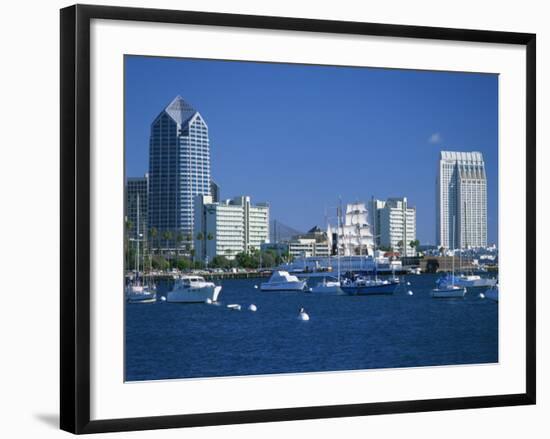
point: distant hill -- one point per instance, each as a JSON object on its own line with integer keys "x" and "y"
{"x": 279, "y": 231}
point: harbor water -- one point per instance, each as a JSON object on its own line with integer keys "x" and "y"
{"x": 170, "y": 340}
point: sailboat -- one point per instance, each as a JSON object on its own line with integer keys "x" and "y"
{"x": 471, "y": 280}
{"x": 446, "y": 287}
{"x": 330, "y": 285}
{"x": 137, "y": 291}
{"x": 362, "y": 286}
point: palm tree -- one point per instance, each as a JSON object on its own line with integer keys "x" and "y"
{"x": 414, "y": 244}
{"x": 154, "y": 233}
{"x": 200, "y": 238}
{"x": 167, "y": 237}
{"x": 401, "y": 246}
{"x": 179, "y": 240}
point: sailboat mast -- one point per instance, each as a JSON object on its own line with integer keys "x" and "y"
{"x": 137, "y": 240}
{"x": 454, "y": 248}
{"x": 338, "y": 213}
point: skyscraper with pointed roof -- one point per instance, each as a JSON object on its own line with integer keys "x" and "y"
{"x": 179, "y": 170}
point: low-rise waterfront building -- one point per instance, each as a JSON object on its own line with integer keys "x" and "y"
{"x": 315, "y": 242}
{"x": 307, "y": 247}
{"x": 229, "y": 227}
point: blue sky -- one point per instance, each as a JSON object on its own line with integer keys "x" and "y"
{"x": 301, "y": 136}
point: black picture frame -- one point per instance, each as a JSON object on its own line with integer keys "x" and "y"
{"x": 75, "y": 218}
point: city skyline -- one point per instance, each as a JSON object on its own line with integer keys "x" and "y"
{"x": 315, "y": 151}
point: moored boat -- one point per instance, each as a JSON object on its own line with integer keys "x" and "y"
{"x": 474, "y": 281}
{"x": 449, "y": 292}
{"x": 327, "y": 286}
{"x": 283, "y": 281}
{"x": 140, "y": 290}
{"x": 136, "y": 293}
{"x": 193, "y": 289}
{"x": 446, "y": 287}
{"x": 361, "y": 286}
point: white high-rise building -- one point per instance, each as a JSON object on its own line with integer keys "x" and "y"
{"x": 229, "y": 227}
{"x": 394, "y": 224}
{"x": 461, "y": 194}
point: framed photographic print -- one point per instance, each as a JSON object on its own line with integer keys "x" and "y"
{"x": 268, "y": 218}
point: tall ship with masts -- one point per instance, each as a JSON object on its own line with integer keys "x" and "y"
{"x": 353, "y": 234}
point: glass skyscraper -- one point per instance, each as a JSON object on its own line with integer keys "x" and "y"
{"x": 179, "y": 170}
{"x": 461, "y": 195}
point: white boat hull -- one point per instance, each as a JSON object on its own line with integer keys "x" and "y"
{"x": 283, "y": 286}
{"x": 141, "y": 298}
{"x": 448, "y": 293}
{"x": 476, "y": 283}
{"x": 140, "y": 294}
{"x": 327, "y": 288}
{"x": 194, "y": 295}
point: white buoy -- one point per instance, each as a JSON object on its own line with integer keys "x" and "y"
{"x": 408, "y": 284}
{"x": 410, "y": 293}
{"x": 252, "y": 307}
{"x": 256, "y": 286}
{"x": 303, "y": 315}
{"x": 234, "y": 306}
{"x": 481, "y": 296}
{"x": 162, "y": 299}
{"x": 208, "y": 301}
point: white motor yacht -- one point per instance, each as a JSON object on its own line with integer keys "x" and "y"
{"x": 193, "y": 289}
{"x": 283, "y": 281}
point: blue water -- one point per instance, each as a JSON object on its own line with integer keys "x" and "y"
{"x": 168, "y": 340}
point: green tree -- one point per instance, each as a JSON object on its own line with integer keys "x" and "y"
{"x": 246, "y": 260}
{"x": 269, "y": 259}
{"x": 179, "y": 240}
{"x": 198, "y": 265}
{"x": 167, "y": 236}
{"x": 219, "y": 261}
{"x": 159, "y": 262}
{"x": 200, "y": 238}
{"x": 153, "y": 234}
{"x": 184, "y": 264}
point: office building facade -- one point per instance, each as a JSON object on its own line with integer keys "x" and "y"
{"x": 229, "y": 227}
{"x": 179, "y": 170}
{"x": 394, "y": 224}
{"x": 137, "y": 191}
{"x": 461, "y": 200}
